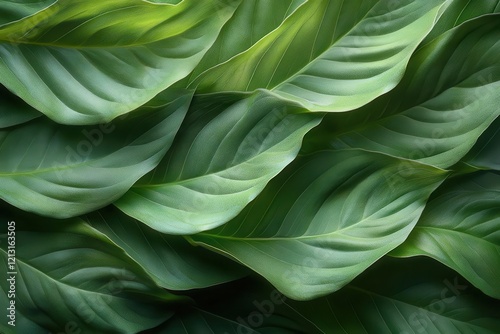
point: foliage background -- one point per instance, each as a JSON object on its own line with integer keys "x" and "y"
{"x": 251, "y": 166}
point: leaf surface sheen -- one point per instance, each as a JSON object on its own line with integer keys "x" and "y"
{"x": 325, "y": 219}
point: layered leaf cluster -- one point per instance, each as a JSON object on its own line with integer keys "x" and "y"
{"x": 287, "y": 166}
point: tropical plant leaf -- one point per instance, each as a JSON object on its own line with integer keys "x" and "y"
{"x": 67, "y": 171}
{"x": 170, "y": 260}
{"x": 395, "y": 296}
{"x": 314, "y": 57}
{"x": 13, "y": 110}
{"x": 459, "y": 11}
{"x": 254, "y": 19}
{"x": 224, "y": 155}
{"x": 325, "y": 219}
{"x": 486, "y": 152}
{"x": 90, "y": 62}
{"x": 402, "y": 297}
{"x": 435, "y": 117}
{"x": 68, "y": 273}
{"x": 460, "y": 227}
{"x": 14, "y": 10}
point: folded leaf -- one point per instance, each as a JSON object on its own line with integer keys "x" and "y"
{"x": 314, "y": 57}
{"x": 170, "y": 260}
{"x": 436, "y": 116}
{"x": 63, "y": 171}
{"x": 89, "y": 62}
{"x": 224, "y": 155}
{"x": 68, "y": 273}
{"x": 325, "y": 219}
{"x": 460, "y": 227}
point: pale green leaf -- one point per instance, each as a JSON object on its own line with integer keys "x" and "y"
{"x": 448, "y": 97}
{"x": 63, "y": 171}
{"x": 84, "y": 62}
{"x": 223, "y": 156}
{"x": 330, "y": 55}
{"x": 325, "y": 219}
{"x": 460, "y": 227}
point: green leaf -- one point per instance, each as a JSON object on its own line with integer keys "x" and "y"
{"x": 314, "y": 57}
{"x": 460, "y": 227}
{"x": 170, "y": 260}
{"x": 486, "y": 152}
{"x": 13, "y": 110}
{"x": 459, "y": 11}
{"x": 66, "y": 171}
{"x": 252, "y": 20}
{"x": 14, "y": 10}
{"x": 402, "y": 297}
{"x": 68, "y": 273}
{"x": 325, "y": 219}
{"x": 224, "y": 155}
{"x": 448, "y": 97}
{"x": 84, "y": 62}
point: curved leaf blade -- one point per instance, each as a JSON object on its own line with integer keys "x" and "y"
{"x": 170, "y": 261}
{"x": 314, "y": 57}
{"x": 256, "y": 18}
{"x": 224, "y": 155}
{"x": 460, "y": 227}
{"x": 486, "y": 152}
{"x": 91, "y": 63}
{"x": 13, "y": 110}
{"x": 79, "y": 277}
{"x": 68, "y": 171}
{"x": 435, "y": 117}
{"x": 14, "y": 10}
{"x": 325, "y": 219}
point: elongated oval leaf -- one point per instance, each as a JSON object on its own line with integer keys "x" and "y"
{"x": 314, "y": 57}
{"x": 70, "y": 273}
{"x": 461, "y": 228}
{"x": 436, "y": 116}
{"x": 170, "y": 260}
{"x": 325, "y": 219}
{"x": 84, "y": 62}
{"x": 63, "y": 171}
{"x": 222, "y": 158}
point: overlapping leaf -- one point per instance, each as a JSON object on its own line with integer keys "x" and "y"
{"x": 396, "y": 296}
{"x": 314, "y": 57}
{"x": 14, "y": 10}
{"x": 325, "y": 219}
{"x": 69, "y": 273}
{"x": 252, "y": 20}
{"x": 486, "y": 152}
{"x": 61, "y": 171}
{"x": 461, "y": 228}
{"x": 448, "y": 97}
{"x": 224, "y": 155}
{"x": 170, "y": 261}
{"x": 82, "y": 62}
{"x": 13, "y": 110}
